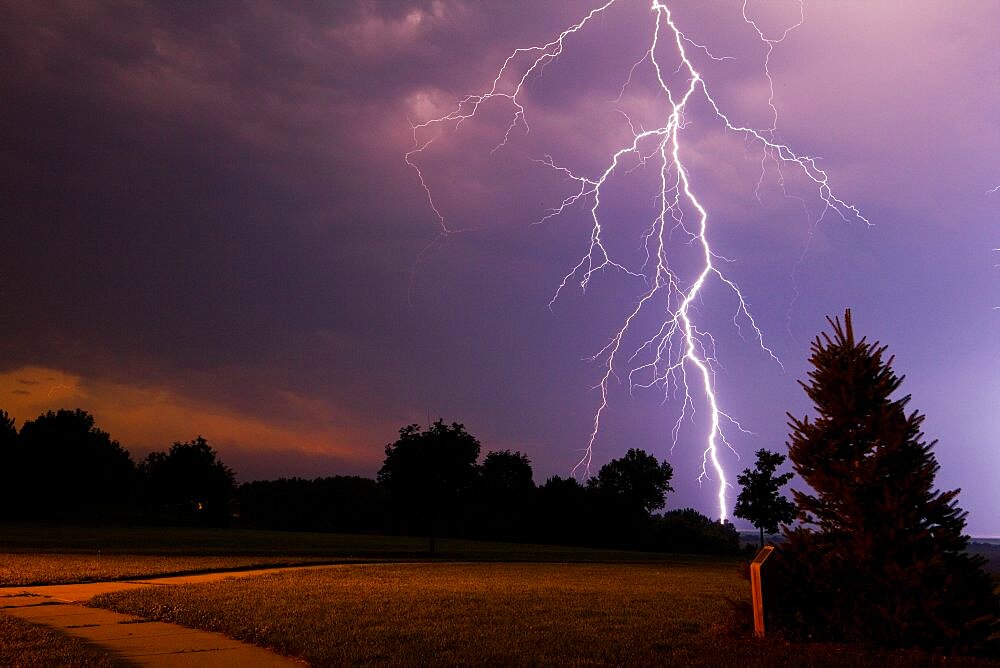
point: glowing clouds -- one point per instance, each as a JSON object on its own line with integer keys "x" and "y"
{"x": 142, "y": 417}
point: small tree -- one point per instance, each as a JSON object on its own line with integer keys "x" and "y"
{"x": 881, "y": 558}
{"x": 428, "y": 471}
{"x": 760, "y": 501}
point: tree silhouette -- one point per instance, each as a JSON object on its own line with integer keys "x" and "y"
{"x": 686, "y": 530}
{"x": 12, "y": 488}
{"x": 503, "y": 493}
{"x": 506, "y": 472}
{"x": 760, "y": 501}
{"x": 626, "y": 490}
{"x": 428, "y": 471}
{"x": 881, "y": 557}
{"x": 71, "y": 468}
{"x": 338, "y": 503}
{"x": 189, "y": 483}
{"x": 564, "y": 512}
{"x": 8, "y": 435}
{"x": 637, "y": 480}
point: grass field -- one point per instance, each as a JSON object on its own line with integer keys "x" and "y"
{"x": 491, "y": 613}
{"x": 463, "y": 613}
{"x": 50, "y": 555}
{"x": 61, "y": 568}
{"x": 387, "y": 602}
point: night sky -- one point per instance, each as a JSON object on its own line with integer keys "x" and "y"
{"x": 209, "y": 227}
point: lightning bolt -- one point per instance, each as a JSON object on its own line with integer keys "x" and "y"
{"x": 679, "y": 357}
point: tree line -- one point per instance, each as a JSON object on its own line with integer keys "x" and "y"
{"x": 64, "y": 468}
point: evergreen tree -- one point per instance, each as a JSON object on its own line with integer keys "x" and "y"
{"x": 880, "y": 557}
{"x": 760, "y": 501}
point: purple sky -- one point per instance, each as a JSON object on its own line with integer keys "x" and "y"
{"x": 209, "y": 227}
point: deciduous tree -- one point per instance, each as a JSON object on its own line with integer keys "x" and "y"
{"x": 189, "y": 483}
{"x": 760, "y": 500}
{"x": 428, "y": 471}
{"x": 72, "y": 468}
{"x": 503, "y": 495}
{"x": 624, "y": 493}
{"x": 637, "y": 480}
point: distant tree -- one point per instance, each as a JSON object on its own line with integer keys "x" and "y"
{"x": 338, "y": 503}
{"x": 563, "y": 513}
{"x": 506, "y": 472}
{"x": 11, "y": 489}
{"x": 286, "y": 504}
{"x": 881, "y": 558}
{"x": 350, "y": 503}
{"x": 189, "y": 483}
{"x": 626, "y": 490}
{"x": 8, "y": 435}
{"x": 638, "y": 480}
{"x": 73, "y": 469}
{"x": 502, "y": 495}
{"x": 760, "y": 501}
{"x": 688, "y": 531}
{"x": 428, "y": 471}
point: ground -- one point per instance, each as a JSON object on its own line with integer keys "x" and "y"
{"x": 387, "y": 602}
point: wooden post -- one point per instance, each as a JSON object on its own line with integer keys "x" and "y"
{"x": 755, "y": 591}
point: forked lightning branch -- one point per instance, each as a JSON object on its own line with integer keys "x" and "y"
{"x": 677, "y": 356}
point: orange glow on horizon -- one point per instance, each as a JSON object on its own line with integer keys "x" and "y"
{"x": 144, "y": 418}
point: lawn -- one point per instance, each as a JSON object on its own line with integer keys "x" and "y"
{"x": 61, "y": 568}
{"x": 690, "y": 613}
{"x": 435, "y": 613}
{"x": 49, "y": 555}
{"x": 388, "y": 602}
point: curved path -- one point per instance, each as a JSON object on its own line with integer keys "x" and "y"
{"x": 132, "y": 638}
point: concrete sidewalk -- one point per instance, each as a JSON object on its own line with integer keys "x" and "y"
{"x": 131, "y": 638}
